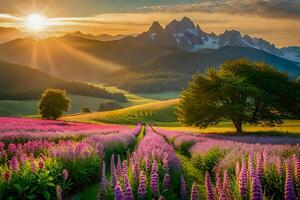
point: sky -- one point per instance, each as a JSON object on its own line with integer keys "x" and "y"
{"x": 277, "y": 21}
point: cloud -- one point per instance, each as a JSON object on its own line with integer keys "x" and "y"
{"x": 267, "y": 8}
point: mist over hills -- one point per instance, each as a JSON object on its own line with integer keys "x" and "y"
{"x": 159, "y": 59}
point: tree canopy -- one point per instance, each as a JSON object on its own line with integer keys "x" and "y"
{"x": 53, "y": 103}
{"x": 241, "y": 91}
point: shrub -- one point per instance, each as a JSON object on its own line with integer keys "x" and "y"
{"x": 111, "y": 105}
{"x": 85, "y": 109}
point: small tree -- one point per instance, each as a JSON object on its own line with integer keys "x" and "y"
{"x": 241, "y": 91}
{"x": 53, "y": 103}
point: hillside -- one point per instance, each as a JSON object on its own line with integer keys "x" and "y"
{"x": 23, "y": 83}
{"x": 158, "y": 113}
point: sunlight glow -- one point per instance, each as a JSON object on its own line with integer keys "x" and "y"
{"x": 36, "y": 22}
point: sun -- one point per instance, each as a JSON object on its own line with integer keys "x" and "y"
{"x": 36, "y": 22}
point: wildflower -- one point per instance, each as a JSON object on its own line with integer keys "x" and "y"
{"x": 58, "y": 192}
{"x": 256, "y": 189}
{"x": 103, "y": 179}
{"x": 128, "y": 193}
{"x": 166, "y": 182}
{"x": 11, "y": 148}
{"x": 279, "y": 166}
{"x": 142, "y": 190}
{"x": 23, "y": 158}
{"x": 243, "y": 180}
{"x": 194, "y": 192}
{"x": 183, "y": 189}
{"x": 289, "y": 190}
{"x": 119, "y": 166}
{"x": 41, "y": 163}
{"x": 119, "y": 195}
{"x": 65, "y": 174}
{"x": 209, "y": 188}
{"x": 14, "y": 164}
{"x": 226, "y": 184}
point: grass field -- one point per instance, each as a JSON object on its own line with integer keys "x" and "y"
{"x": 158, "y": 112}
{"x": 29, "y": 107}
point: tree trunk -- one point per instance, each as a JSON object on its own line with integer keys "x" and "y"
{"x": 238, "y": 126}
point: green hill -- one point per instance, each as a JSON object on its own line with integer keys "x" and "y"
{"x": 157, "y": 112}
{"x": 23, "y": 83}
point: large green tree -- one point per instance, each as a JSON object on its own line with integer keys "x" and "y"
{"x": 53, "y": 103}
{"x": 241, "y": 91}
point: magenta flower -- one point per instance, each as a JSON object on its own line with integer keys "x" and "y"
{"x": 11, "y": 148}
{"x": 219, "y": 185}
{"x": 65, "y": 174}
{"x": 14, "y": 164}
{"x": 237, "y": 171}
{"x": 194, "y": 192}
{"x": 41, "y": 163}
{"x": 119, "y": 195}
{"x": 183, "y": 189}
{"x": 136, "y": 171}
{"x": 209, "y": 188}
{"x": 256, "y": 189}
{"x": 289, "y": 190}
{"x": 296, "y": 162}
{"x": 124, "y": 169}
{"x": 243, "y": 180}
{"x": 23, "y": 158}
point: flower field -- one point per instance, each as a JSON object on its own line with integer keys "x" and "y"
{"x": 42, "y": 159}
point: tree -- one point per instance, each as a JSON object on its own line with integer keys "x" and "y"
{"x": 241, "y": 91}
{"x": 53, "y": 103}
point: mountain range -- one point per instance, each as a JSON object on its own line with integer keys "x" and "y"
{"x": 186, "y": 35}
{"x": 159, "y": 59}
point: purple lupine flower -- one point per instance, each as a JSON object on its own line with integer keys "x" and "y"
{"x": 58, "y": 192}
{"x": 148, "y": 164}
{"x": 194, "y": 192}
{"x": 226, "y": 184}
{"x": 279, "y": 166}
{"x": 256, "y": 189}
{"x": 259, "y": 165}
{"x": 183, "y": 189}
{"x": 65, "y": 174}
{"x": 209, "y": 188}
{"x": 119, "y": 195}
{"x": 243, "y": 180}
{"x": 136, "y": 171}
{"x": 103, "y": 179}
{"x": 124, "y": 169}
{"x": 14, "y": 164}
{"x": 219, "y": 185}
{"x": 119, "y": 166}
{"x": 265, "y": 158}
{"x": 167, "y": 182}
{"x": 7, "y": 175}
{"x": 113, "y": 175}
{"x": 251, "y": 167}
{"x": 128, "y": 193}
{"x": 289, "y": 190}
{"x": 154, "y": 178}
{"x": 142, "y": 190}
{"x": 296, "y": 162}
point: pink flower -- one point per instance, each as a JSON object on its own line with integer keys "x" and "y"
{"x": 209, "y": 188}
{"x": 65, "y": 174}
{"x": 14, "y": 164}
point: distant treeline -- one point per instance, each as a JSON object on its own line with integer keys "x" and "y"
{"x": 23, "y": 83}
{"x": 148, "y": 82}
